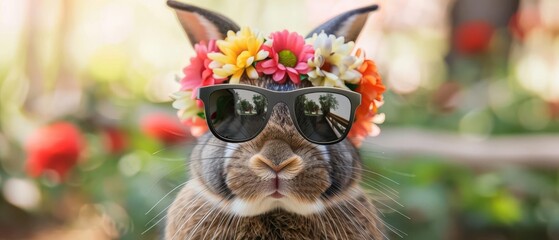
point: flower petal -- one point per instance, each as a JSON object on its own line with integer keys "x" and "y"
{"x": 249, "y": 61}
{"x": 262, "y": 55}
{"x": 215, "y": 64}
{"x": 251, "y": 73}
{"x": 268, "y": 63}
{"x": 302, "y": 67}
{"x": 236, "y": 78}
{"x": 293, "y": 75}
{"x": 279, "y": 75}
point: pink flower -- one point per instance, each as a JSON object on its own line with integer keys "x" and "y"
{"x": 198, "y": 73}
{"x": 288, "y": 57}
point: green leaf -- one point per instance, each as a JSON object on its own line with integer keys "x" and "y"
{"x": 201, "y": 115}
{"x": 352, "y": 86}
{"x": 304, "y": 77}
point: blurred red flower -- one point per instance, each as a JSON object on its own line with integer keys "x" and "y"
{"x": 473, "y": 37}
{"x": 55, "y": 147}
{"x": 114, "y": 139}
{"x": 553, "y": 109}
{"x": 166, "y": 128}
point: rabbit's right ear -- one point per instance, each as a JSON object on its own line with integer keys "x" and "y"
{"x": 348, "y": 24}
{"x": 201, "y": 24}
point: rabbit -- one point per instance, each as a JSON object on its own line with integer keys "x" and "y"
{"x": 229, "y": 193}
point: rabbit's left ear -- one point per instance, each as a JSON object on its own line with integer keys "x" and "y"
{"x": 201, "y": 24}
{"x": 348, "y": 24}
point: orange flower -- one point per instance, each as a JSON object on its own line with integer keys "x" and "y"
{"x": 370, "y": 86}
{"x": 198, "y": 126}
{"x": 366, "y": 126}
{"x": 371, "y": 89}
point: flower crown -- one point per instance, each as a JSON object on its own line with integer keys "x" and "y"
{"x": 323, "y": 60}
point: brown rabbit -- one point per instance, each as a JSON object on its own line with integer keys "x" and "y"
{"x": 277, "y": 185}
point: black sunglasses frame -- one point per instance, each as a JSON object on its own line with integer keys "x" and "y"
{"x": 275, "y": 97}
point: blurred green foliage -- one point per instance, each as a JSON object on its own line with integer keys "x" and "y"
{"x": 450, "y": 201}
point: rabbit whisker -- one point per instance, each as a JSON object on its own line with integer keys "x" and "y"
{"x": 162, "y": 211}
{"x": 380, "y": 184}
{"x": 197, "y": 196}
{"x": 179, "y": 168}
{"x": 162, "y": 176}
{"x": 193, "y": 214}
{"x": 333, "y": 225}
{"x": 206, "y": 215}
{"x": 338, "y": 220}
{"x": 393, "y": 200}
{"x": 371, "y": 213}
{"x": 238, "y": 218}
{"x": 172, "y": 190}
{"x": 226, "y": 225}
{"x": 382, "y": 192}
{"x": 376, "y": 218}
{"x": 373, "y": 172}
{"x": 395, "y": 230}
{"x": 185, "y": 222}
{"x": 319, "y": 220}
{"x": 213, "y": 219}
{"x": 169, "y": 204}
{"x": 352, "y": 219}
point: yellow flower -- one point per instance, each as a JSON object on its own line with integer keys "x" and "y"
{"x": 238, "y": 53}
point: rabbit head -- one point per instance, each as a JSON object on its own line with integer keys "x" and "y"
{"x": 278, "y": 168}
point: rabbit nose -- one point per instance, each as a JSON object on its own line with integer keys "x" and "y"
{"x": 276, "y": 159}
{"x": 265, "y": 168}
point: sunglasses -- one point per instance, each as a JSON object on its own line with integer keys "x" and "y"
{"x": 238, "y": 113}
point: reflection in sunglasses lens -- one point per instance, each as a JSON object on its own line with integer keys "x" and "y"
{"x": 323, "y": 117}
{"x": 237, "y": 114}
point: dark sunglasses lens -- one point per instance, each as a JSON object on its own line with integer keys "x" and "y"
{"x": 237, "y": 114}
{"x": 323, "y": 117}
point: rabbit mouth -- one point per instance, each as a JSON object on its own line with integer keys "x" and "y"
{"x": 277, "y": 195}
{"x": 276, "y": 200}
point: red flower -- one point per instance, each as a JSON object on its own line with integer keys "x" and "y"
{"x": 56, "y": 147}
{"x": 165, "y": 128}
{"x": 473, "y": 37}
{"x": 114, "y": 139}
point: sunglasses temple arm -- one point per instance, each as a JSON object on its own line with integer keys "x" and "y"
{"x": 198, "y": 94}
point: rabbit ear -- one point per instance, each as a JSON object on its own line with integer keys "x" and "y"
{"x": 200, "y": 24}
{"x": 348, "y": 24}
